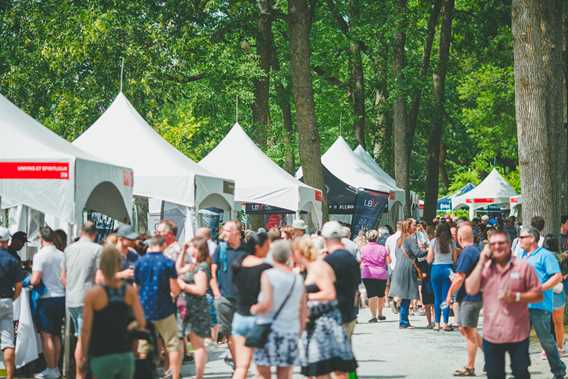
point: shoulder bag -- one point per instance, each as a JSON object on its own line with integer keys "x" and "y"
{"x": 258, "y": 336}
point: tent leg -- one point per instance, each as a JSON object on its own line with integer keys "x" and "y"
{"x": 471, "y": 213}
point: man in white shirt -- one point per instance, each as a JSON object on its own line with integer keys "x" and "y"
{"x": 46, "y": 269}
{"x": 390, "y": 244}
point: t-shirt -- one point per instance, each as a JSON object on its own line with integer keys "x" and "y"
{"x": 247, "y": 283}
{"x": 347, "y": 279}
{"x": 439, "y": 257}
{"x": 545, "y": 265}
{"x": 49, "y": 261}
{"x": 130, "y": 259}
{"x": 173, "y": 251}
{"x": 223, "y": 259}
{"x": 80, "y": 262}
{"x": 10, "y": 274}
{"x": 374, "y": 262}
{"x": 391, "y": 247}
{"x": 14, "y": 254}
{"x": 467, "y": 261}
{"x": 152, "y": 274}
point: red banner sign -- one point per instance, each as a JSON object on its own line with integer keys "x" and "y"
{"x": 480, "y": 201}
{"x": 34, "y": 170}
{"x": 318, "y": 196}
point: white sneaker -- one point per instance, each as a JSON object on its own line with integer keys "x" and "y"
{"x": 55, "y": 373}
{"x": 43, "y": 375}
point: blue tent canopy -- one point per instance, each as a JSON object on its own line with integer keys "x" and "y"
{"x": 445, "y": 203}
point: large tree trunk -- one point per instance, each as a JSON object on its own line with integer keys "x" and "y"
{"x": 530, "y": 54}
{"x": 358, "y": 92}
{"x": 299, "y": 25}
{"x": 436, "y": 133}
{"x": 400, "y": 127}
{"x": 261, "y": 108}
{"x": 424, "y": 68}
{"x": 564, "y": 148}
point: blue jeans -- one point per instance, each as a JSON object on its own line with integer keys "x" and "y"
{"x": 540, "y": 321}
{"x": 440, "y": 275}
{"x": 404, "y": 310}
{"x": 495, "y": 359}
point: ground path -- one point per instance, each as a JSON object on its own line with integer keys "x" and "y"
{"x": 384, "y": 351}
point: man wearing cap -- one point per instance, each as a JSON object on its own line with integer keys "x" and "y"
{"x": 347, "y": 274}
{"x": 125, "y": 245}
{"x": 80, "y": 264}
{"x": 10, "y": 287}
{"x": 299, "y": 227}
{"x": 17, "y": 243}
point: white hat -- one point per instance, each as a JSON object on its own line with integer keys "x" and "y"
{"x": 299, "y": 224}
{"x": 331, "y": 230}
{"x": 4, "y": 234}
{"x": 485, "y": 218}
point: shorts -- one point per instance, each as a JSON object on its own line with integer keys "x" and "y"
{"x": 375, "y": 287}
{"x": 167, "y": 329}
{"x": 50, "y": 315}
{"x": 6, "y": 324}
{"x": 558, "y": 300}
{"x": 212, "y": 311}
{"x": 468, "y": 313}
{"x": 116, "y": 366}
{"x": 76, "y": 316}
{"x": 225, "y": 311}
{"x": 242, "y": 325}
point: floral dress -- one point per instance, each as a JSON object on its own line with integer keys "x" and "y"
{"x": 195, "y": 317}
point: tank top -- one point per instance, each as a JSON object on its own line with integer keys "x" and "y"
{"x": 109, "y": 334}
{"x": 439, "y": 257}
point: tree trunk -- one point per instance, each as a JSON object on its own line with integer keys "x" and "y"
{"x": 400, "y": 127}
{"x": 436, "y": 133}
{"x": 443, "y": 171}
{"x": 416, "y": 99}
{"x": 358, "y": 92}
{"x": 531, "y": 87}
{"x": 142, "y": 210}
{"x": 564, "y": 148}
{"x": 288, "y": 132}
{"x": 261, "y": 107}
{"x": 299, "y": 25}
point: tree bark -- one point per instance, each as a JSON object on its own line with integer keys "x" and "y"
{"x": 424, "y": 68}
{"x": 358, "y": 92}
{"x": 436, "y": 133}
{"x": 530, "y": 52}
{"x": 142, "y": 210}
{"x": 261, "y": 107}
{"x": 443, "y": 171}
{"x": 400, "y": 126}
{"x": 299, "y": 25}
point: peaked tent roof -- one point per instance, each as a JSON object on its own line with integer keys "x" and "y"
{"x": 86, "y": 182}
{"x": 343, "y": 163}
{"x": 257, "y": 178}
{"x": 445, "y": 203}
{"x": 367, "y": 158}
{"x": 122, "y": 135}
{"x": 493, "y": 189}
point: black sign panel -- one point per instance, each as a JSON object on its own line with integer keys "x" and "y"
{"x": 369, "y": 206}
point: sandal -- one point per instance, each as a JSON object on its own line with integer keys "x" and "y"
{"x": 465, "y": 372}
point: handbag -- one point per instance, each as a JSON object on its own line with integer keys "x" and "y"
{"x": 258, "y": 336}
{"x": 420, "y": 275}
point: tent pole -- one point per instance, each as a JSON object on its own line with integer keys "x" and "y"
{"x": 121, "y": 73}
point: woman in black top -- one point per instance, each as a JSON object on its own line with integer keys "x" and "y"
{"x": 246, "y": 277}
{"x": 104, "y": 335}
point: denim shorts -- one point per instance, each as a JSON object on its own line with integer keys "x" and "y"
{"x": 6, "y": 324}
{"x": 76, "y": 315}
{"x": 242, "y": 325}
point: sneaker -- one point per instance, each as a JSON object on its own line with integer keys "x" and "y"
{"x": 43, "y": 375}
{"x": 373, "y": 321}
{"x": 382, "y": 318}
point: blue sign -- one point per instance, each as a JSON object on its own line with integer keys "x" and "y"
{"x": 369, "y": 206}
{"x": 445, "y": 203}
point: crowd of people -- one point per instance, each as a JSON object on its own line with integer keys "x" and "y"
{"x": 283, "y": 298}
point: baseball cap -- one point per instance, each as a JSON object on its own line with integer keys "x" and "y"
{"x": 20, "y": 236}
{"x": 331, "y": 230}
{"x": 4, "y": 234}
{"x": 127, "y": 232}
{"x": 299, "y": 224}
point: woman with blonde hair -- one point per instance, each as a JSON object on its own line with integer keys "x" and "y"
{"x": 324, "y": 346}
{"x": 194, "y": 320}
{"x": 106, "y": 315}
{"x": 404, "y": 286}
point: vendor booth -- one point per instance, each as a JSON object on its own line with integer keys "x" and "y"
{"x": 261, "y": 186}
{"x": 355, "y": 193}
{"x": 42, "y": 171}
{"x": 161, "y": 172}
{"x": 493, "y": 191}
{"x": 397, "y": 198}
{"x": 445, "y": 203}
{"x": 515, "y": 205}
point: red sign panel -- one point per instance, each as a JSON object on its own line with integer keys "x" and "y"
{"x": 318, "y": 196}
{"x": 34, "y": 170}
{"x": 480, "y": 201}
{"x": 128, "y": 178}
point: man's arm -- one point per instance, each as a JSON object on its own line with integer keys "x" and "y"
{"x": 17, "y": 290}
{"x": 552, "y": 268}
{"x": 459, "y": 279}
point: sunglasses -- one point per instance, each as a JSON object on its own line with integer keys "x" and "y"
{"x": 498, "y": 243}
{"x": 523, "y": 237}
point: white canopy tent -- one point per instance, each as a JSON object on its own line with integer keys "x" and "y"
{"x": 494, "y": 189}
{"x": 42, "y": 171}
{"x": 258, "y": 179}
{"x": 398, "y": 199}
{"x": 161, "y": 172}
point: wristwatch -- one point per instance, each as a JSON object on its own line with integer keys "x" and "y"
{"x": 517, "y": 297}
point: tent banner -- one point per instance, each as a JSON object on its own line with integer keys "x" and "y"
{"x": 369, "y": 206}
{"x": 256, "y": 208}
{"x": 34, "y": 170}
